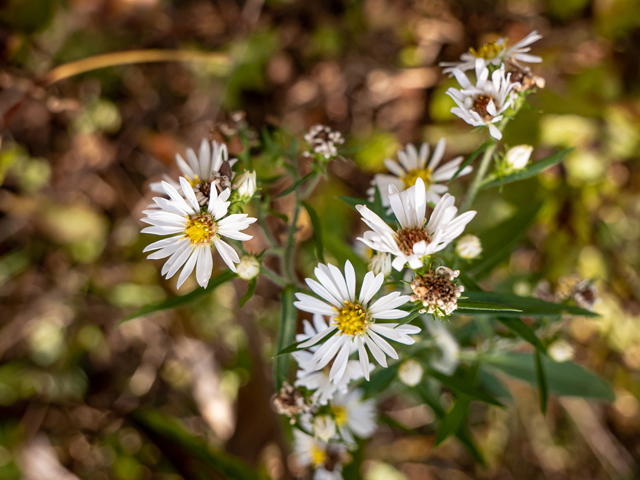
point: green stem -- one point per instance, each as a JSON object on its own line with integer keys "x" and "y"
{"x": 273, "y": 276}
{"x": 479, "y": 177}
{"x": 289, "y": 254}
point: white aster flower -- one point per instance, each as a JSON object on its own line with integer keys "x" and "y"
{"x": 195, "y": 232}
{"x": 411, "y": 165}
{"x": 354, "y": 416}
{"x": 353, "y": 320}
{"x": 380, "y": 263}
{"x": 246, "y": 185}
{"x": 518, "y": 157}
{"x": 248, "y": 267}
{"x": 495, "y": 53}
{"x": 310, "y": 377}
{"x": 410, "y": 372}
{"x": 414, "y": 240}
{"x": 324, "y": 458}
{"x": 483, "y": 104}
{"x": 468, "y": 247}
{"x": 324, "y": 427}
{"x": 210, "y": 167}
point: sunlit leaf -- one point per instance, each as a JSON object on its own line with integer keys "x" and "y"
{"x": 530, "y": 307}
{"x": 181, "y": 301}
{"x": 563, "y": 378}
{"x": 529, "y": 171}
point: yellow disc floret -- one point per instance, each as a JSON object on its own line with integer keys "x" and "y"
{"x": 352, "y": 319}
{"x": 318, "y": 456}
{"x": 340, "y": 415}
{"x": 488, "y": 51}
{"x": 413, "y": 175}
{"x": 200, "y": 230}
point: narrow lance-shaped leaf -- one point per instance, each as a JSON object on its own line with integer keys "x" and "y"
{"x": 183, "y": 300}
{"x": 530, "y": 307}
{"x": 523, "y": 330}
{"x": 296, "y": 184}
{"x": 286, "y": 334}
{"x": 453, "y": 420}
{"x": 470, "y": 159}
{"x": 563, "y": 378}
{"x": 462, "y": 385}
{"x": 251, "y": 288}
{"x": 317, "y": 230}
{"x": 499, "y": 242}
{"x": 469, "y": 307}
{"x": 529, "y": 171}
{"x": 543, "y": 389}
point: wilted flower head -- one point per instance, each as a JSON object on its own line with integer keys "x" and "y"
{"x": 518, "y": 157}
{"x": 248, "y": 267}
{"x": 468, "y": 247}
{"x": 246, "y": 185}
{"x": 410, "y": 372}
{"x": 290, "y": 402}
{"x": 437, "y": 291}
{"x": 483, "y": 104}
{"x": 322, "y": 141}
{"x": 495, "y": 53}
{"x": 380, "y": 263}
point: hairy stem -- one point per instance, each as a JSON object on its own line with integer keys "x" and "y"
{"x": 479, "y": 177}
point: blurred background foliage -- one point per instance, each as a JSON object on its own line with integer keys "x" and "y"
{"x": 83, "y": 397}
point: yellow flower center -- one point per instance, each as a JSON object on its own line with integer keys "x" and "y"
{"x": 488, "y": 51}
{"x": 413, "y": 175}
{"x": 194, "y": 181}
{"x": 352, "y": 319}
{"x": 200, "y": 229}
{"x": 318, "y": 456}
{"x": 340, "y": 414}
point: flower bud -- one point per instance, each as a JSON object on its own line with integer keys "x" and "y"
{"x": 248, "y": 268}
{"x": 380, "y": 263}
{"x": 410, "y": 372}
{"x": 324, "y": 427}
{"x": 561, "y": 351}
{"x": 518, "y": 157}
{"x": 246, "y": 185}
{"x": 468, "y": 247}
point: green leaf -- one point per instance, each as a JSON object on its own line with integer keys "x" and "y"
{"x": 523, "y": 330}
{"x": 563, "y": 378}
{"x": 286, "y": 334}
{"x": 530, "y": 307}
{"x": 470, "y": 307}
{"x": 543, "y": 389}
{"x": 190, "y": 455}
{"x": 380, "y": 379}
{"x": 181, "y": 301}
{"x": 251, "y": 288}
{"x": 453, "y": 420}
{"x": 470, "y": 159}
{"x": 529, "y": 171}
{"x": 297, "y": 184}
{"x": 317, "y": 230}
{"x": 499, "y": 241}
{"x": 463, "y": 434}
{"x": 410, "y": 318}
{"x": 461, "y": 385}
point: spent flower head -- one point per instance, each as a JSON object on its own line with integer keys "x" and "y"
{"x": 323, "y": 141}
{"x": 437, "y": 291}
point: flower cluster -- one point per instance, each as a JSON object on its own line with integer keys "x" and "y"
{"x": 356, "y": 325}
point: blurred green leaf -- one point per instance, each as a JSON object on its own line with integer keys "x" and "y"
{"x": 317, "y": 230}
{"x": 462, "y": 385}
{"x": 522, "y": 330}
{"x": 190, "y": 455}
{"x": 531, "y": 307}
{"x": 563, "y": 378}
{"x": 529, "y": 171}
{"x": 380, "y": 379}
{"x": 181, "y": 301}
{"x": 297, "y": 184}
{"x": 453, "y": 420}
{"x": 499, "y": 241}
{"x": 286, "y": 334}
{"x": 541, "y": 378}
{"x": 469, "y": 160}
